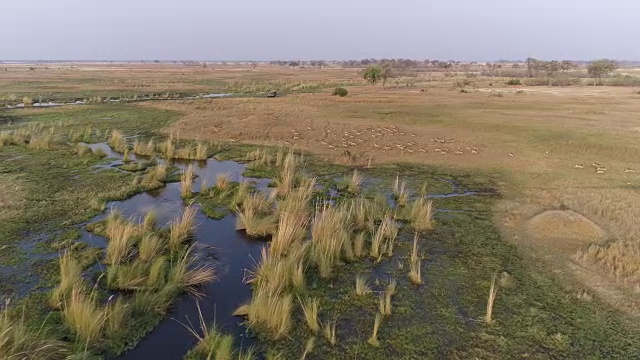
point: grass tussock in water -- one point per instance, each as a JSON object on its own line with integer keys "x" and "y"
{"x": 118, "y": 142}
{"x": 400, "y": 192}
{"x": 421, "y": 215}
{"x": 186, "y": 182}
{"x": 180, "y": 229}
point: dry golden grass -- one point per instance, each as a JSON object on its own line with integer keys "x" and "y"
{"x": 181, "y": 228}
{"x": 310, "y": 310}
{"x": 186, "y": 182}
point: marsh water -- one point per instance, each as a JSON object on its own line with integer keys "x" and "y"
{"x": 49, "y": 104}
{"x": 232, "y": 253}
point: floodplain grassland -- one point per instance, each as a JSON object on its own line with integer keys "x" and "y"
{"x": 536, "y": 156}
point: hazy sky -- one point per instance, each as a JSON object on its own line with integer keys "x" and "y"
{"x": 319, "y": 29}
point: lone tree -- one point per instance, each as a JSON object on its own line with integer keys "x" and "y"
{"x": 386, "y": 73}
{"x": 531, "y": 65}
{"x": 600, "y": 68}
{"x": 372, "y": 74}
{"x": 550, "y": 68}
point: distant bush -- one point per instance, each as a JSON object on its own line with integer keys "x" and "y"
{"x": 514, "y": 82}
{"x": 27, "y": 101}
{"x": 340, "y": 91}
{"x": 625, "y": 80}
{"x": 464, "y": 91}
{"x": 463, "y": 83}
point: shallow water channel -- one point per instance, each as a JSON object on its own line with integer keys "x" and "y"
{"x": 231, "y": 252}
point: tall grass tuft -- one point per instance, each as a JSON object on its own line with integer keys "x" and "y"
{"x": 253, "y": 216}
{"x": 329, "y": 330}
{"x": 187, "y": 274}
{"x": 117, "y": 141}
{"x": 271, "y": 309}
{"x": 186, "y": 182}
{"x": 352, "y": 183}
{"x": 212, "y": 343}
{"x": 181, "y": 228}
{"x": 116, "y": 317}
{"x": 156, "y": 176}
{"x": 121, "y": 239}
{"x": 310, "y": 311}
{"x": 151, "y": 246}
{"x": 373, "y": 340}
{"x": 361, "y": 286}
{"x": 421, "y": 216}
{"x": 329, "y": 231}
{"x": 292, "y": 228}
{"x": 201, "y": 152}
{"x": 20, "y": 341}
{"x": 358, "y": 244}
{"x": 70, "y": 277}
{"x": 383, "y": 238}
{"x": 83, "y": 316}
{"x": 414, "y": 263}
{"x": 308, "y": 347}
{"x": 502, "y": 280}
{"x": 384, "y": 303}
{"x": 82, "y": 149}
{"x": 223, "y": 181}
{"x": 400, "y": 192}
{"x": 287, "y": 178}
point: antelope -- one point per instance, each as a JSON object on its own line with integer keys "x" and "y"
{"x": 438, "y": 150}
{"x": 511, "y": 154}
{"x": 296, "y": 137}
{"x": 387, "y": 147}
{"x": 324, "y": 143}
{"x": 376, "y": 145}
{"x": 474, "y": 152}
{"x": 308, "y": 127}
{"x": 458, "y": 152}
{"x": 331, "y": 147}
{"x": 579, "y": 166}
{"x": 423, "y": 150}
{"x": 628, "y": 170}
{"x": 409, "y": 150}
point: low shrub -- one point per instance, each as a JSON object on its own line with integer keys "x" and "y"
{"x": 340, "y": 91}
{"x": 514, "y": 82}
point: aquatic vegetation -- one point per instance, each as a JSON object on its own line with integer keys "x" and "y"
{"x": 373, "y": 340}
{"x": 414, "y": 263}
{"x": 330, "y": 229}
{"x": 186, "y": 182}
{"x": 421, "y": 216}
{"x": 361, "y": 286}
{"x": 70, "y": 277}
{"x": 118, "y": 142}
{"x": 180, "y": 229}
{"x": 310, "y": 310}
{"x": 18, "y": 340}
